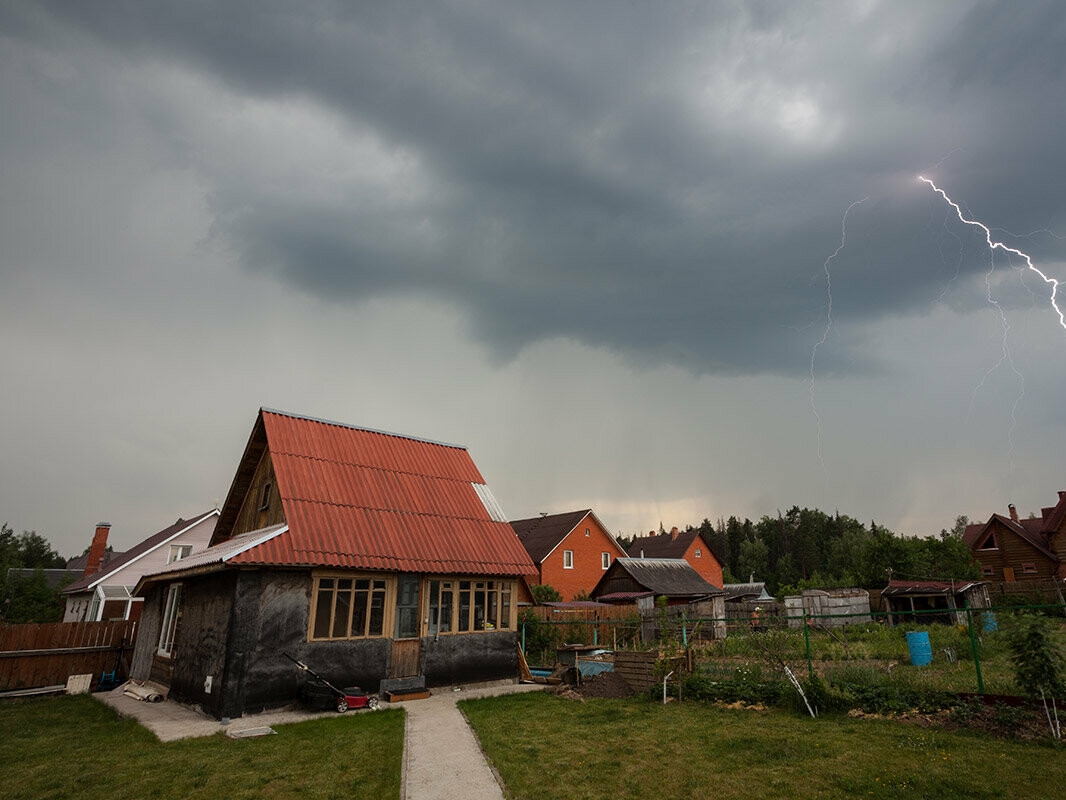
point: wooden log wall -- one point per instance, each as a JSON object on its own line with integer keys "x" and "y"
{"x": 36, "y": 655}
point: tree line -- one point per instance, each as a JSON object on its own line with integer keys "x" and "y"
{"x": 806, "y": 548}
{"x": 28, "y": 598}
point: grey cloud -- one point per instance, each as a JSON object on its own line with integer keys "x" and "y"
{"x": 665, "y": 186}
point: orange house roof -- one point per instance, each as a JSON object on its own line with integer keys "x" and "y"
{"x": 366, "y": 499}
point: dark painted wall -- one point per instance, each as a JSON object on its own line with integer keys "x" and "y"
{"x": 270, "y": 619}
{"x": 201, "y": 639}
{"x": 470, "y": 657}
{"x": 147, "y": 634}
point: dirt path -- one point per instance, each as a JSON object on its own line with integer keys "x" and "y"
{"x": 441, "y": 756}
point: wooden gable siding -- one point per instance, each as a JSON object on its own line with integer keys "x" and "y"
{"x": 252, "y": 516}
{"x": 1013, "y": 552}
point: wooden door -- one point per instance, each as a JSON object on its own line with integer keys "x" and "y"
{"x": 406, "y": 644}
{"x": 1008, "y": 574}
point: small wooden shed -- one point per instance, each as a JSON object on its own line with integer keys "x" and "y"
{"x": 904, "y": 598}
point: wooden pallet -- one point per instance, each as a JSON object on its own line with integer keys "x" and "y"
{"x": 399, "y": 697}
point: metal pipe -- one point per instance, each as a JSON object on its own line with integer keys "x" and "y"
{"x": 671, "y": 672}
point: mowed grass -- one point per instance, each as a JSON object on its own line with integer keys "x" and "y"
{"x": 77, "y": 747}
{"x": 545, "y": 747}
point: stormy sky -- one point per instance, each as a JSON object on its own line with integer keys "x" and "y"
{"x": 586, "y": 240}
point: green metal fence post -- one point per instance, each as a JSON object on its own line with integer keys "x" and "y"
{"x": 684, "y": 630}
{"x": 976, "y": 657}
{"x": 595, "y": 634}
{"x": 523, "y": 638}
{"x": 807, "y": 641}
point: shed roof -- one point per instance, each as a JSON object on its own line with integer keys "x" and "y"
{"x": 673, "y": 577}
{"x": 899, "y": 587}
{"x": 365, "y": 499}
{"x": 736, "y": 591}
{"x": 135, "y": 552}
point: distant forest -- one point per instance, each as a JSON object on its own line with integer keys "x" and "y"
{"x": 806, "y": 549}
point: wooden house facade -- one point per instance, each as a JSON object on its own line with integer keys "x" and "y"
{"x": 1013, "y": 550}
{"x": 372, "y": 557}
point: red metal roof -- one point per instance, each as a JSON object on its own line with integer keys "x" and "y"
{"x": 372, "y": 500}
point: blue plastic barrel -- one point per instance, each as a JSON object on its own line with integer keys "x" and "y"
{"x": 921, "y": 650}
{"x": 990, "y": 623}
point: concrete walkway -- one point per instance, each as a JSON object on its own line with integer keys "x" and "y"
{"x": 441, "y": 755}
{"x": 170, "y": 721}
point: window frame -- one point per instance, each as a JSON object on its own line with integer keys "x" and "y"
{"x": 264, "y": 497}
{"x": 568, "y": 555}
{"x": 504, "y": 594}
{"x": 387, "y": 612}
{"x": 988, "y": 572}
{"x": 168, "y": 625}
{"x": 990, "y": 538}
{"x": 179, "y": 547}
{"x": 698, "y": 553}
{"x": 605, "y": 560}
{"x": 1029, "y": 569}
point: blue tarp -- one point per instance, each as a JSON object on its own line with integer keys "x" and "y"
{"x": 590, "y": 668}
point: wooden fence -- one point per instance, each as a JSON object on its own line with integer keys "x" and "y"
{"x": 583, "y": 627}
{"x": 36, "y": 655}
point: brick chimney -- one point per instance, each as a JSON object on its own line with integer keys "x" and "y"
{"x": 673, "y": 534}
{"x": 97, "y": 549}
{"x": 1013, "y": 512}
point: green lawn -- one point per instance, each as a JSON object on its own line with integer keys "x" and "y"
{"x": 77, "y": 747}
{"x": 545, "y": 747}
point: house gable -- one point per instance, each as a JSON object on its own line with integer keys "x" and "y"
{"x": 583, "y": 548}
{"x": 1006, "y": 554}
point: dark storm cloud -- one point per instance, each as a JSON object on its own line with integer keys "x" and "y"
{"x": 663, "y": 183}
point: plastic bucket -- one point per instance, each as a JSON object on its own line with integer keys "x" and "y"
{"x": 921, "y": 650}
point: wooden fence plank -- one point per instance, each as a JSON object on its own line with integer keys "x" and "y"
{"x": 44, "y": 656}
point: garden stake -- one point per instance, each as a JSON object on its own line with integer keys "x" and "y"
{"x": 976, "y": 657}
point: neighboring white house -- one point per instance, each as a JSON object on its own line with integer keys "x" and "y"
{"x": 107, "y": 592}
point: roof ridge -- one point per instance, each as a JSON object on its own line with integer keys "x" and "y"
{"x": 293, "y": 415}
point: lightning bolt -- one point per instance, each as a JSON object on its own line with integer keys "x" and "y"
{"x": 828, "y": 327}
{"x": 994, "y": 245}
{"x": 1005, "y": 357}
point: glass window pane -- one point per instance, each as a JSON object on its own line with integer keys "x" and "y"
{"x": 434, "y": 607}
{"x": 340, "y": 615}
{"x": 359, "y": 614}
{"x": 344, "y": 584}
{"x": 490, "y": 620}
{"x": 407, "y": 607}
{"x": 505, "y": 605}
{"x": 325, "y": 583}
{"x": 362, "y": 583}
{"x": 322, "y": 611}
{"x": 446, "y": 605}
{"x": 464, "y": 605}
{"x": 479, "y": 609}
{"x": 377, "y": 614}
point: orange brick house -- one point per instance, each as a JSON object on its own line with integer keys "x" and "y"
{"x": 688, "y": 545}
{"x": 571, "y": 551}
{"x": 1009, "y": 549}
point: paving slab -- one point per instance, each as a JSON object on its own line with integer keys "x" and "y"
{"x": 170, "y": 721}
{"x": 442, "y": 757}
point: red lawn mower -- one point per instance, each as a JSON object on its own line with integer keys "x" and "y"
{"x": 343, "y": 699}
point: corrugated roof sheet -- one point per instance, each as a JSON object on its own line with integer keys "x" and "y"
{"x": 673, "y": 577}
{"x": 925, "y": 587}
{"x": 371, "y": 500}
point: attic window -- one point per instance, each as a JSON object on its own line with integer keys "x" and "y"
{"x": 178, "y": 552}
{"x": 698, "y": 554}
{"x": 989, "y": 543}
{"x": 264, "y": 501}
{"x": 586, "y": 531}
{"x": 988, "y": 572}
